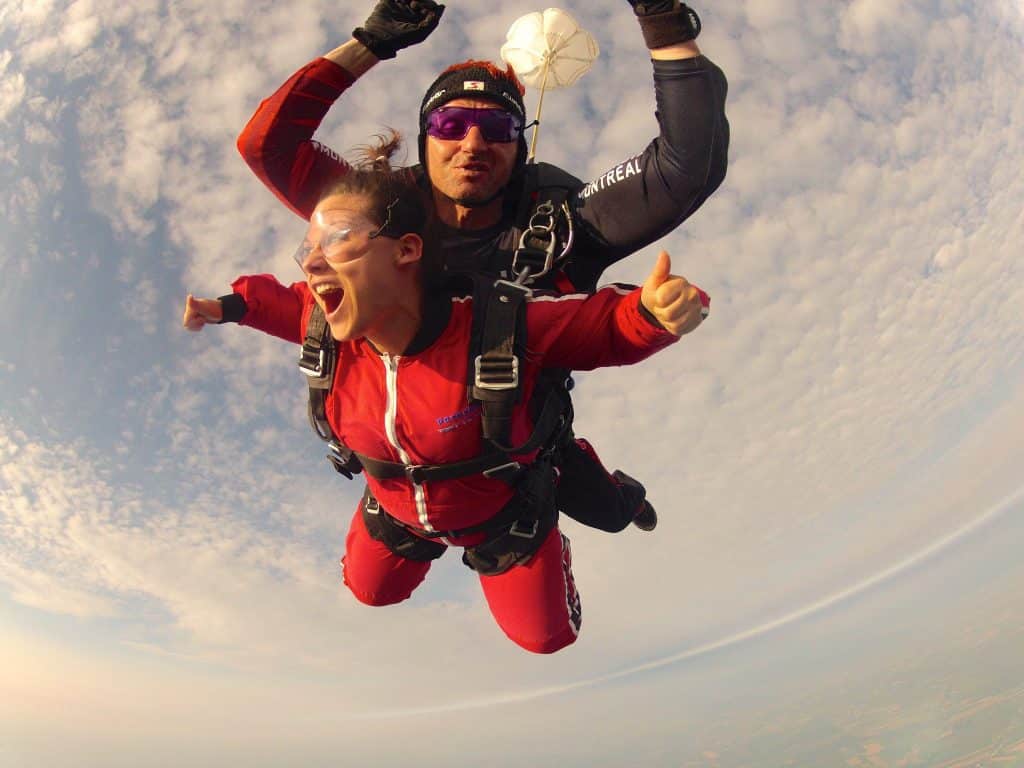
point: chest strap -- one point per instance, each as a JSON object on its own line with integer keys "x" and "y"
{"x": 500, "y": 465}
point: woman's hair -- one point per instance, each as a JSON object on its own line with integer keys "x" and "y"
{"x": 394, "y": 201}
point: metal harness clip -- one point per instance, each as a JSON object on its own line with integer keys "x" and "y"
{"x": 524, "y": 533}
{"x": 313, "y": 362}
{"x": 509, "y": 470}
{"x": 497, "y": 373}
{"x": 536, "y": 252}
{"x": 535, "y": 255}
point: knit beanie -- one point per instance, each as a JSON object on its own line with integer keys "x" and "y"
{"x": 473, "y": 82}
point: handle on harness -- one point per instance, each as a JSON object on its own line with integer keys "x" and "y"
{"x": 535, "y": 255}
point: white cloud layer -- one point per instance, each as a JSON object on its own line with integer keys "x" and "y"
{"x": 163, "y": 490}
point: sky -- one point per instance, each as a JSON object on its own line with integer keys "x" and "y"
{"x": 833, "y": 454}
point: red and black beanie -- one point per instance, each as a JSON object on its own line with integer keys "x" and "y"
{"x": 475, "y": 80}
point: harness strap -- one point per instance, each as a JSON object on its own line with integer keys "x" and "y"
{"x": 318, "y": 360}
{"x": 510, "y": 514}
{"x": 547, "y": 428}
{"x": 384, "y": 528}
{"x": 495, "y": 361}
{"x": 512, "y": 539}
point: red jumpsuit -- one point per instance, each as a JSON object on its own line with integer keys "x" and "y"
{"x": 413, "y": 408}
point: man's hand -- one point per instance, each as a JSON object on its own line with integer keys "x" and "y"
{"x": 397, "y": 24}
{"x": 678, "y": 306}
{"x": 650, "y": 7}
{"x": 199, "y": 312}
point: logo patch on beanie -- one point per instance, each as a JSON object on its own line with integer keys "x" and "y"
{"x": 473, "y": 85}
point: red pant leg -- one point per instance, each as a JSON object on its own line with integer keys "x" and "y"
{"x": 536, "y": 604}
{"x": 373, "y": 572}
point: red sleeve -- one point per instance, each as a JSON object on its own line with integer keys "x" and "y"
{"x": 585, "y": 332}
{"x": 277, "y": 142}
{"x": 273, "y": 308}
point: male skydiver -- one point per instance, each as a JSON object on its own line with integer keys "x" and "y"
{"x": 473, "y": 151}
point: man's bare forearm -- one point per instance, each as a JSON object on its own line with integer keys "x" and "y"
{"x": 688, "y": 50}
{"x": 354, "y": 57}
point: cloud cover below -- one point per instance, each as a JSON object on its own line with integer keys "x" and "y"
{"x": 163, "y": 491}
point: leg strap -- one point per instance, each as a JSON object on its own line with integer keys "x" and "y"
{"x": 533, "y": 514}
{"x": 383, "y": 528}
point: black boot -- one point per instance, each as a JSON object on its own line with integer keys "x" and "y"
{"x": 645, "y": 518}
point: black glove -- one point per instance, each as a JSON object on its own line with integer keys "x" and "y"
{"x": 397, "y": 24}
{"x": 666, "y": 22}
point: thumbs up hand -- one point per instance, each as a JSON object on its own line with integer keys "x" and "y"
{"x": 677, "y": 305}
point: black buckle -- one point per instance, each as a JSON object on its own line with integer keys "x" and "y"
{"x": 521, "y": 532}
{"x": 341, "y": 467}
{"x": 414, "y": 473}
{"x": 371, "y": 506}
{"x": 496, "y": 373}
{"x": 343, "y": 459}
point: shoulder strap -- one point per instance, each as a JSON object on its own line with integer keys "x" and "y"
{"x": 318, "y": 360}
{"x": 496, "y": 345}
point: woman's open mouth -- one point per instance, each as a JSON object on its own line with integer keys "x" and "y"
{"x": 331, "y": 296}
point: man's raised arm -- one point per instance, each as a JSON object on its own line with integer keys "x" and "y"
{"x": 647, "y": 196}
{"x": 277, "y": 143}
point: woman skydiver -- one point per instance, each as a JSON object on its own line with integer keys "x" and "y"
{"x": 399, "y": 397}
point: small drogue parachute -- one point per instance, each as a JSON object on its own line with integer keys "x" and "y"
{"x": 548, "y": 50}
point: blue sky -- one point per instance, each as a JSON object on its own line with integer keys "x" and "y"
{"x": 169, "y": 531}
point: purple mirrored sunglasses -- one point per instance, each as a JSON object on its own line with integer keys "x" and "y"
{"x": 453, "y": 123}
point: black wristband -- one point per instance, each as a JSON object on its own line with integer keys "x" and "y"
{"x": 649, "y": 316}
{"x": 651, "y": 7}
{"x": 669, "y": 28}
{"x": 232, "y": 307}
{"x": 382, "y": 49}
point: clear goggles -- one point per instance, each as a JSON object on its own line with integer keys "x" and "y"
{"x": 335, "y": 231}
{"x": 453, "y": 123}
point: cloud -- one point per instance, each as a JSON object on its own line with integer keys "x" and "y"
{"x": 863, "y": 262}
{"x": 12, "y": 87}
{"x": 235, "y": 574}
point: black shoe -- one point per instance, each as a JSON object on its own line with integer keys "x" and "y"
{"x": 645, "y": 518}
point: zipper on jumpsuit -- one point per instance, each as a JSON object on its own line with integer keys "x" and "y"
{"x": 390, "y": 415}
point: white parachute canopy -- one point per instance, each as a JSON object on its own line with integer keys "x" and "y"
{"x": 548, "y": 50}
